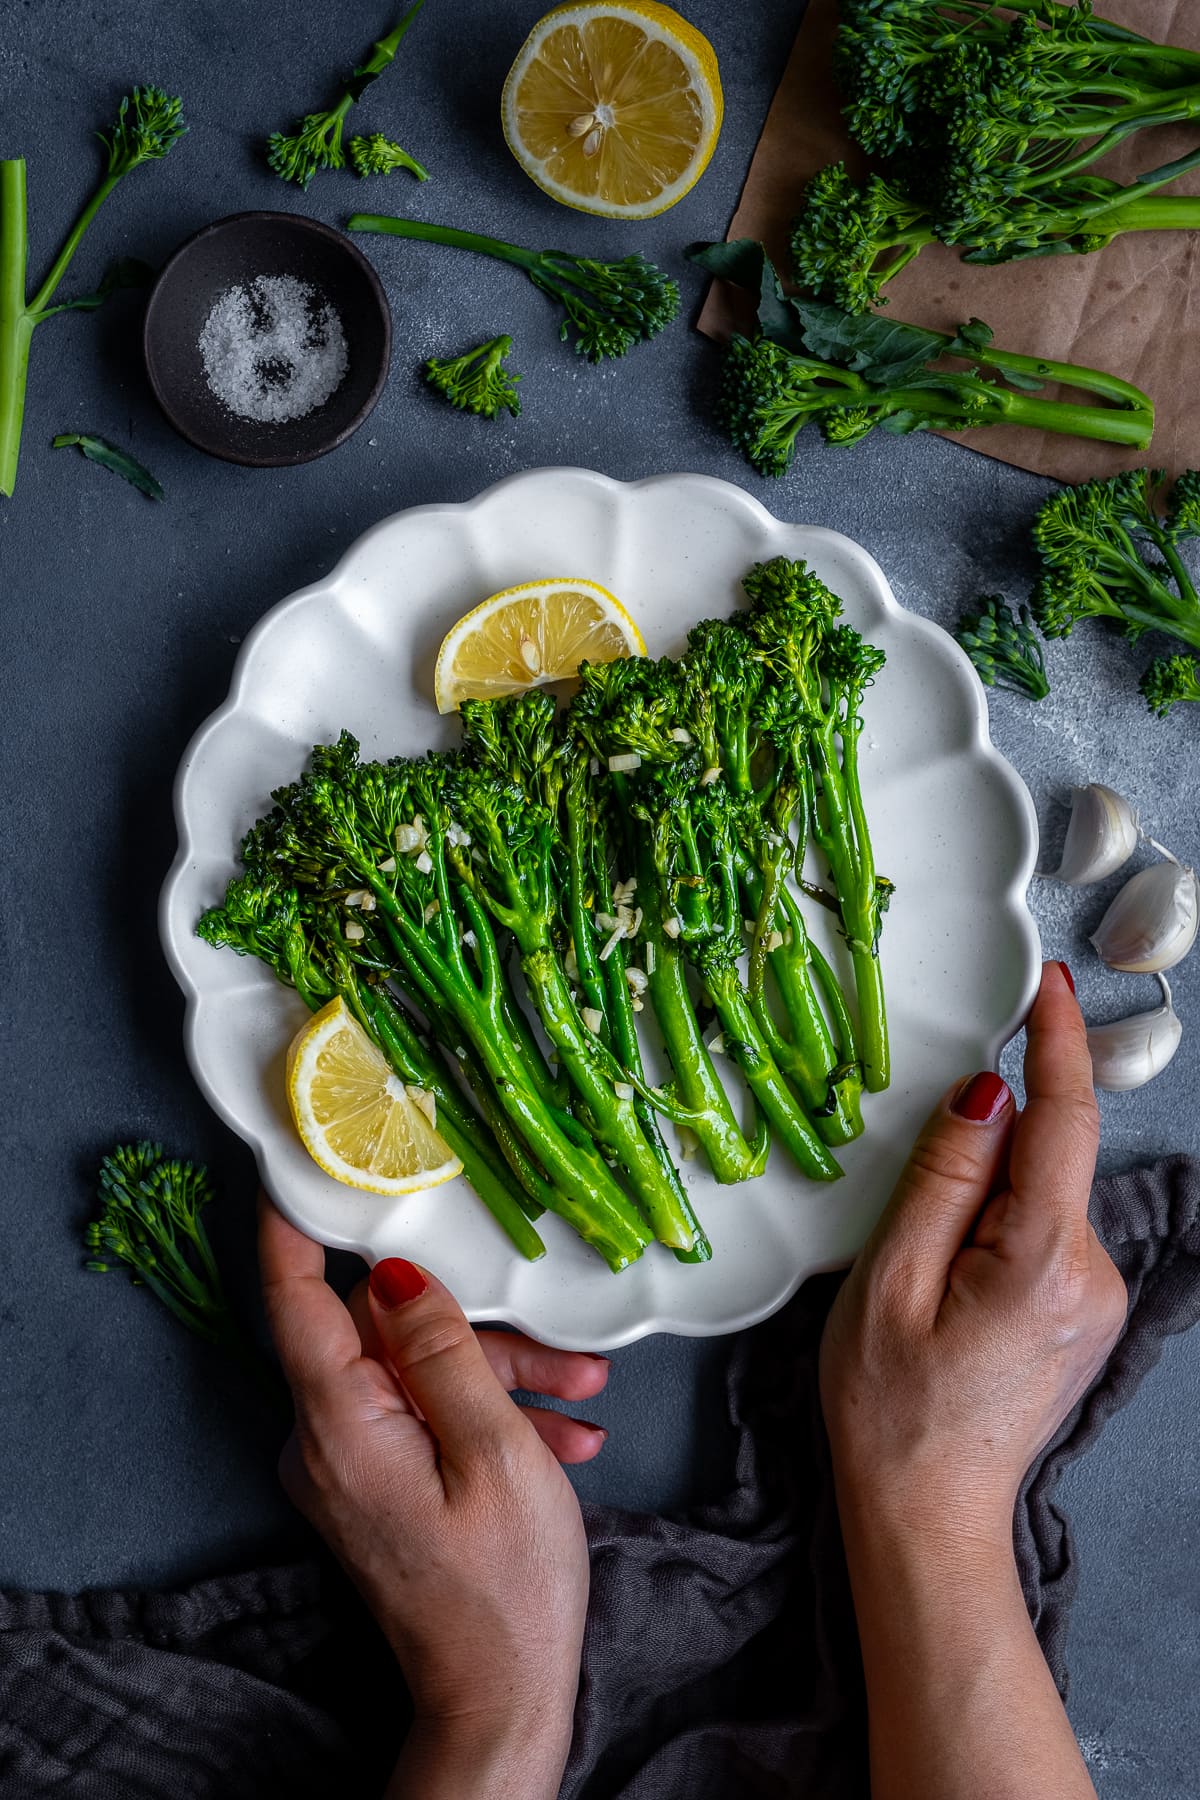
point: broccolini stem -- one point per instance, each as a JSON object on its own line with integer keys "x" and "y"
{"x": 584, "y": 1191}
{"x": 62, "y": 261}
{"x": 730, "y": 1156}
{"x": 486, "y": 1174}
{"x": 811, "y": 1059}
{"x": 443, "y": 234}
{"x": 745, "y": 1043}
{"x": 607, "y": 989}
{"x": 16, "y": 326}
{"x": 615, "y": 1121}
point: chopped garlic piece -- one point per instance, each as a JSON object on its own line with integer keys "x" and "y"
{"x": 623, "y": 1091}
{"x": 637, "y": 980}
{"x": 424, "y": 863}
{"x": 716, "y": 1044}
{"x": 388, "y": 866}
{"x": 625, "y": 763}
{"x": 679, "y": 734}
{"x": 593, "y": 1018}
{"x": 671, "y": 927}
{"x": 425, "y": 1102}
{"x": 711, "y": 774}
{"x": 355, "y": 932}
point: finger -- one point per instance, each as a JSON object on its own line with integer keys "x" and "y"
{"x": 314, "y": 1334}
{"x": 947, "y": 1179}
{"x": 438, "y": 1360}
{"x": 570, "y": 1440}
{"x": 518, "y": 1361}
{"x": 1053, "y": 1155}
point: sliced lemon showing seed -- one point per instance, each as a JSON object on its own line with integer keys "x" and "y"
{"x": 355, "y": 1116}
{"x": 529, "y": 635}
{"x": 614, "y": 109}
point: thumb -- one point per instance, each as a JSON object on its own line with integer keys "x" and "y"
{"x": 950, "y": 1174}
{"x": 428, "y": 1341}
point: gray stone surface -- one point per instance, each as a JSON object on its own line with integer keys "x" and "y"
{"x": 127, "y": 1452}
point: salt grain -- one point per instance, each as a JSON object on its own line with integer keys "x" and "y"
{"x": 273, "y": 349}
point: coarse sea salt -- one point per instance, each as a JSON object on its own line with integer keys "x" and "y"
{"x": 273, "y": 349}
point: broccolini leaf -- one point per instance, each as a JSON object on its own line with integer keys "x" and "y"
{"x": 119, "y": 462}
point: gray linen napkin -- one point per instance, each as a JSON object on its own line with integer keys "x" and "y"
{"x": 720, "y": 1662}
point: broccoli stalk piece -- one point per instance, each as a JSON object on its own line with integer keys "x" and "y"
{"x": 1004, "y": 648}
{"x": 149, "y": 123}
{"x": 1108, "y": 551}
{"x": 477, "y": 381}
{"x": 377, "y": 155}
{"x": 150, "y": 1222}
{"x": 1168, "y": 680}
{"x": 815, "y": 363}
{"x": 608, "y": 305}
{"x": 317, "y": 142}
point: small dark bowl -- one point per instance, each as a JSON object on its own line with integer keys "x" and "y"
{"x": 235, "y": 250}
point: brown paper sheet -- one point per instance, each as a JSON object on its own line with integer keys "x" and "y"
{"x": 1129, "y": 309}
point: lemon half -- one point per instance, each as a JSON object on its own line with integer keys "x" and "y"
{"x": 356, "y": 1118}
{"x": 529, "y": 635}
{"x": 614, "y": 109}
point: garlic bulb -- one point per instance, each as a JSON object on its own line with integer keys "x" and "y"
{"x": 1101, "y": 836}
{"x": 1152, "y": 923}
{"x": 1130, "y": 1052}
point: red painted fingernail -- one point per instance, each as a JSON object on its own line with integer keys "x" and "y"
{"x": 981, "y": 1099}
{"x": 394, "y": 1282}
{"x": 588, "y": 1426}
{"x": 1067, "y": 976}
{"x": 595, "y": 1356}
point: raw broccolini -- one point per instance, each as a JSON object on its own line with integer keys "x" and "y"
{"x": 477, "y": 381}
{"x": 316, "y": 144}
{"x": 604, "y": 859}
{"x": 148, "y": 125}
{"x": 1003, "y": 644}
{"x": 851, "y": 238}
{"x": 609, "y": 306}
{"x": 815, "y": 363}
{"x": 1112, "y": 549}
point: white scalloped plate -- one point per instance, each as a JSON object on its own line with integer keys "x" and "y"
{"x": 953, "y": 826}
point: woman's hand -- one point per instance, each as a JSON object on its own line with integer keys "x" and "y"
{"x": 980, "y": 1310}
{"x": 446, "y": 1505}
{"x": 983, "y": 1303}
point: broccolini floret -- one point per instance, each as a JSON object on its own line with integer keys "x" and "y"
{"x": 148, "y": 125}
{"x": 1111, "y": 549}
{"x": 610, "y": 306}
{"x": 150, "y": 1222}
{"x": 1003, "y": 645}
{"x": 377, "y": 155}
{"x": 477, "y": 381}
{"x": 317, "y": 141}
{"x": 1168, "y": 680}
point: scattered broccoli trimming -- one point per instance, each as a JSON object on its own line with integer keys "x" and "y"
{"x": 609, "y": 306}
{"x": 477, "y": 381}
{"x": 815, "y": 363}
{"x": 317, "y": 142}
{"x": 1003, "y": 644}
{"x": 149, "y": 123}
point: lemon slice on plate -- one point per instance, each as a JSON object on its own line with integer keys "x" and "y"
{"x": 529, "y": 635}
{"x": 355, "y": 1116}
{"x": 614, "y": 109}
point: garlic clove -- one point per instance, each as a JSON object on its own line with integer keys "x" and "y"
{"x": 1130, "y": 1052}
{"x": 1102, "y": 835}
{"x": 1152, "y": 923}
